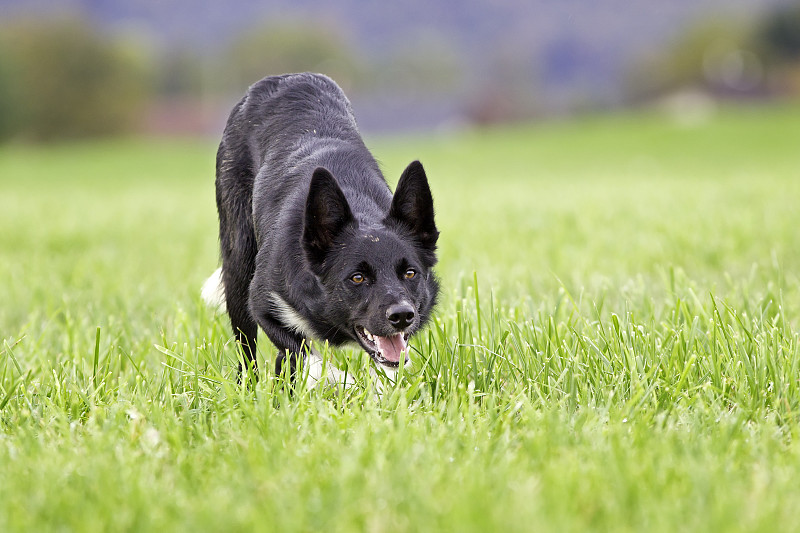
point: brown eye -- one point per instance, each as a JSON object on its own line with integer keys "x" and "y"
{"x": 357, "y": 278}
{"x": 410, "y": 273}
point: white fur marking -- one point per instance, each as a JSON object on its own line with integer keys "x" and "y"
{"x": 213, "y": 291}
{"x": 290, "y": 317}
{"x": 315, "y": 366}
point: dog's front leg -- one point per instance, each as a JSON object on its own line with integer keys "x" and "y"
{"x": 290, "y": 345}
{"x": 288, "y": 342}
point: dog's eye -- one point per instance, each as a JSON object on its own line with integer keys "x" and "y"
{"x": 411, "y": 273}
{"x": 357, "y": 278}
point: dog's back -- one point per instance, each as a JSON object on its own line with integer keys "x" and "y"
{"x": 282, "y": 129}
{"x": 271, "y": 126}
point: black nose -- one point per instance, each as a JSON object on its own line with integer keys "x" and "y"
{"x": 400, "y": 316}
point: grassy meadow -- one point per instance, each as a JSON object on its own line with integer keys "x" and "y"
{"x": 617, "y": 345}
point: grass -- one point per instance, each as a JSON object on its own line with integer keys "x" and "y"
{"x": 617, "y": 346}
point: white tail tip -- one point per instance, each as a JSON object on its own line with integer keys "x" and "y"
{"x": 213, "y": 292}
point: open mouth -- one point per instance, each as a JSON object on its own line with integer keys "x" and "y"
{"x": 387, "y": 351}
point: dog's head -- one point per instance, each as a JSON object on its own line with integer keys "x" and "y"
{"x": 378, "y": 275}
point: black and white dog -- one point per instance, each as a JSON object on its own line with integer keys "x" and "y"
{"x": 314, "y": 245}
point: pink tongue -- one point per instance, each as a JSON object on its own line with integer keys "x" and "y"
{"x": 391, "y": 348}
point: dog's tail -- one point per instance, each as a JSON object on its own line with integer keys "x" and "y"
{"x": 213, "y": 291}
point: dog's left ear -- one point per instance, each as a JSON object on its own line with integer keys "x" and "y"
{"x": 412, "y": 207}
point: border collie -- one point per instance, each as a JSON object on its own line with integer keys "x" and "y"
{"x": 315, "y": 247}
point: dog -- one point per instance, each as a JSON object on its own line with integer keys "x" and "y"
{"x": 314, "y": 245}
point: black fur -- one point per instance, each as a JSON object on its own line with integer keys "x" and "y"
{"x": 303, "y": 208}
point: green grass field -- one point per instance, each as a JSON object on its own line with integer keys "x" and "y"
{"x": 617, "y": 346}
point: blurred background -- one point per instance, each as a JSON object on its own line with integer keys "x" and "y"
{"x": 91, "y": 68}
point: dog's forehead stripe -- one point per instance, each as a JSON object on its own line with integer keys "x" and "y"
{"x": 380, "y": 240}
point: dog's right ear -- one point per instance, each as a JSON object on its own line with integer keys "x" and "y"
{"x": 327, "y": 214}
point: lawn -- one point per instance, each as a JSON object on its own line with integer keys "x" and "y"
{"x": 617, "y": 345}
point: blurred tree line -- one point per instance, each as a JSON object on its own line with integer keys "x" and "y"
{"x": 727, "y": 59}
{"x": 65, "y": 78}
{"x": 62, "y": 79}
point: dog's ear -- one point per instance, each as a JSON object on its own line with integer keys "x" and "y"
{"x": 327, "y": 214}
{"x": 412, "y": 208}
